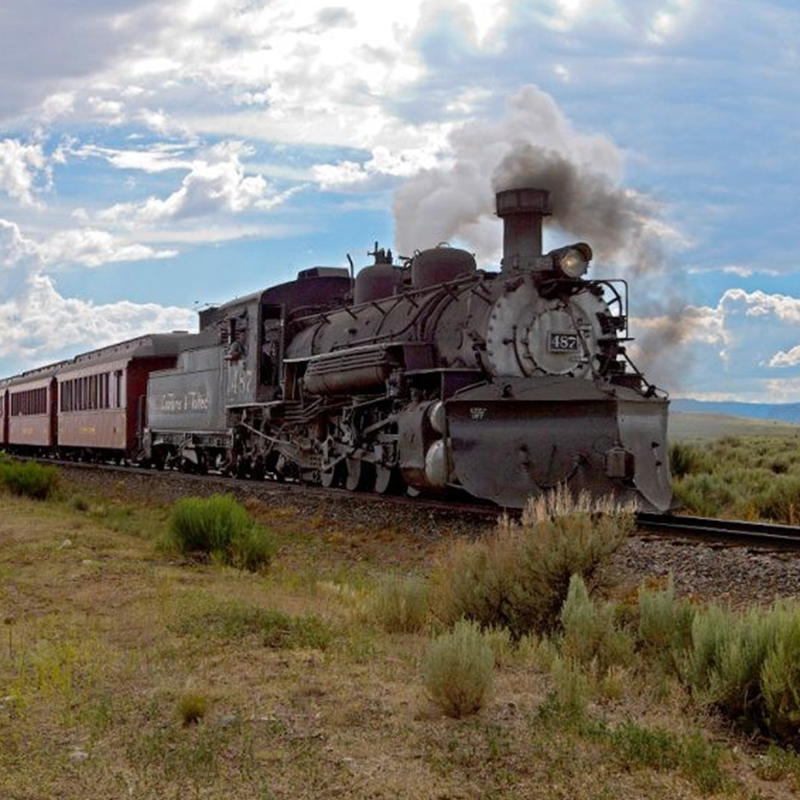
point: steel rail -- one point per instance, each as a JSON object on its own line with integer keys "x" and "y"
{"x": 710, "y": 529}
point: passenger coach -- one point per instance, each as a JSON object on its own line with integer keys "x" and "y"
{"x": 102, "y": 396}
{"x": 31, "y": 411}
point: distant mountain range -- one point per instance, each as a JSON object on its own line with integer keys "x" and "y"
{"x": 781, "y": 412}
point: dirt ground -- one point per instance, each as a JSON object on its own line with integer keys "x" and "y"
{"x": 103, "y": 636}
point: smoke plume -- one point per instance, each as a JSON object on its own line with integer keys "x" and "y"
{"x": 535, "y": 145}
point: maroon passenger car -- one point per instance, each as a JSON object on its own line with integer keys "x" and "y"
{"x": 102, "y": 395}
{"x": 31, "y": 411}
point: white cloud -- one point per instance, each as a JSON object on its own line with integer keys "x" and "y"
{"x": 215, "y": 185}
{"x": 736, "y": 342}
{"x": 742, "y": 272}
{"x": 42, "y": 322}
{"x": 562, "y": 73}
{"x": 782, "y": 390}
{"x": 21, "y": 166}
{"x": 154, "y": 159}
{"x": 111, "y": 111}
{"x": 36, "y": 321}
{"x": 56, "y": 105}
{"x": 790, "y": 358}
{"x": 92, "y": 247}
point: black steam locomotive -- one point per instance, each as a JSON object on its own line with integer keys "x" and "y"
{"x": 424, "y": 375}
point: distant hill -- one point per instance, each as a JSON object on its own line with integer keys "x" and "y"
{"x": 779, "y": 412}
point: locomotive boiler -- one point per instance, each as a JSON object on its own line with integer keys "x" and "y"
{"x": 425, "y": 374}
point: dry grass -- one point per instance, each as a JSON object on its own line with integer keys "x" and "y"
{"x": 106, "y": 639}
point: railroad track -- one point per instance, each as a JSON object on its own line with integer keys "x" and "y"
{"x": 707, "y": 530}
{"x": 732, "y": 532}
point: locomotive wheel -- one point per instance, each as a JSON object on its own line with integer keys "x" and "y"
{"x": 332, "y": 476}
{"x": 386, "y": 480}
{"x": 358, "y": 474}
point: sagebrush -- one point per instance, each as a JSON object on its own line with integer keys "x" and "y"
{"x": 518, "y": 577}
{"x": 590, "y": 634}
{"x": 457, "y": 669}
{"x": 400, "y": 605}
{"x": 28, "y": 479}
{"x": 221, "y": 527}
{"x": 748, "y": 665}
{"x": 743, "y": 477}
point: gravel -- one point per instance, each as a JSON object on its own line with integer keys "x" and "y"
{"x": 732, "y": 574}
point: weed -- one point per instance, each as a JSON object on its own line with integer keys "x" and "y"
{"x": 665, "y": 622}
{"x": 28, "y": 479}
{"x": 502, "y": 644}
{"x": 400, "y": 605}
{"x": 191, "y": 707}
{"x": 457, "y": 669}
{"x": 518, "y": 578}
{"x": 660, "y": 749}
{"x": 221, "y": 527}
{"x": 234, "y": 620}
{"x": 80, "y": 504}
{"x": 572, "y": 688}
{"x": 778, "y": 764}
{"x": 780, "y": 675}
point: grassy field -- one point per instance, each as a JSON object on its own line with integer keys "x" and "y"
{"x": 739, "y": 477}
{"x": 128, "y": 671}
{"x": 706, "y": 427}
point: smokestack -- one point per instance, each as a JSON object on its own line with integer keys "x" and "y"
{"x": 522, "y": 212}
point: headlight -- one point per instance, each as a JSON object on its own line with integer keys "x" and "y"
{"x": 572, "y": 261}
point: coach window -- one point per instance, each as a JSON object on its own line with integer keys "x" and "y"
{"x": 120, "y": 400}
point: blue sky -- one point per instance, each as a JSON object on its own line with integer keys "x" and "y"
{"x": 158, "y": 156}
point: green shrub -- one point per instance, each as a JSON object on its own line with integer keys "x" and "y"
{"x": 780, "y": 675}
{"x": 221, "y": 527}
{"x": 28, "y": 479}
{"x": 685, "y": 459}
{"x": 748, "y": 665}
{"x": 756, "y": 477}
{"x": 518, "y": 577}
{"x": 781, "y": 501}
{"x": 665, "y": 622}
{"x": 728, "y": 652}
{"x": 192, "y": 707}
{"x": 400, "y": 604}
{"x": 457, "y": 669}
{"x": 705, "y": 494}
{"x": 590, "y": 635}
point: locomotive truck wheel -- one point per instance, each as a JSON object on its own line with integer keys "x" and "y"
{"x": 358, "y": 474}
{"x": 331, "y": 476}
{"x": 386, "y": 479}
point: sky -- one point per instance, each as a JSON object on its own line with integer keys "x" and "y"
{"x": 158, "y": 157}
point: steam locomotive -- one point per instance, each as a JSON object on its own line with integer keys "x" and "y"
{"x": 425, "y": 374}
